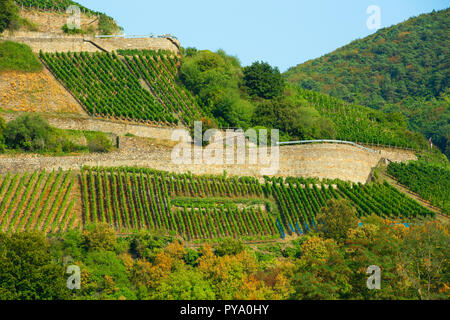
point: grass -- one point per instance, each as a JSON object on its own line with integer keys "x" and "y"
{"x": 18, "y": 57}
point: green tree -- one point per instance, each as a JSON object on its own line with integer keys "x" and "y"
{"x": 336, "y": 219}
{"x": 321, "y": 272}
{"x": 2, "y": 138}
{"x": 229, "y": 247}
{"x": 263, "y": 80}
{"x": 28, "y": 132}
{"x": 99, "y": 237}
{"x": 8, "y": 14}
{"x": 27, "y": 271}
{"x": 184, "y": 284}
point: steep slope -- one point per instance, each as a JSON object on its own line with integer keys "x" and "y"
{"x": 391, "y": 70}
{"x": 51, "y": 16}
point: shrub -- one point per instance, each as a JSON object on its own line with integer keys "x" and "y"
{"x": 29, "y": 133}
{"x": 99, "y": 143}
{"x": 8, "y": 14}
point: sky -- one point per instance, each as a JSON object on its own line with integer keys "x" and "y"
{"x": 283, "y": 33}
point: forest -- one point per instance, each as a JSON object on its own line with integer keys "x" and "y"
{"x": 143, "y": 266}
{"x": 402, "y": 68}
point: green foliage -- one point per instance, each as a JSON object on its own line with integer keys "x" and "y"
{"x": 2, "y": 138}
{"x": 8, "y": 14}
{"x": 100, "y": 143}
{"x": 32, "y": 133}
{"x": 27, "y": 271}
{"x": 322, "y": 272}
{"x": 107, "y": 25}
{"x": 184, "y": 284}
{"x": 214, "y": 78}
{"x": 229, "y": 247}
{"x": 357, "y": 123}
{"x": 99, "y": 237}
{"x": 431, "y": 181}
{"x": 263, "y": 81}
{"x": 28, "y": 132}
{"x": 299, "y": 121}
{"x": 68, "y": 30}
{"x": 18, "y": 57}
{"x": 402, "y": 68}
{"x": 54, "y": 5}
{"x": 336, "y": 219}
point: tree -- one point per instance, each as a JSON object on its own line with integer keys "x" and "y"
{"x": 229, "y": 247}
{"x": 426, "y": 250}
{"x": 263, "y": 81}
{"x": 8, "y": 14}
{"x": 2, "y": 138}
{"x": 99, "y": 237}
{"x": 27, "y": 270}
{"x": 321, "y": 272}
{"x": 184, "y": 284}
{"x": 336, "y": 219}
{"x": 28, "y": 132}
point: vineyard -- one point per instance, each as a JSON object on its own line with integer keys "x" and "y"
{"x": 53, "y": 5}
{"x": 210, "y": 207}
{"x": 358, "y": 123}
{"x": 113, "y": 86}
{"x": 193, "y": 207}
{"x": 431, "y": 182}
{"x": 38, "y": 201}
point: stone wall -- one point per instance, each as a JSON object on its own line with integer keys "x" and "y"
{"x": 322, "y": 161}
{"x": 52, "y": 43}
{"x": 52, "y": 22}
{"x": 119, "y": 128}
{"x": 111, "y": 44}
{"x": 325, "y": 161}
{"x": 49, "y": 43}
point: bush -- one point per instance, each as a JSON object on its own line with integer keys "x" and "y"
{"x": 67, "y": 30}
{"x": 99, "y": 143}
{"x": 29, "y": 133}
{"x": 8, "y": 14}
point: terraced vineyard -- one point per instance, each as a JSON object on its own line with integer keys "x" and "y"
{"x": 115, "y": 87}
{"x": 38, "y": 201}
{"x": 52, "y": 5}
{"x": 208, "y": 207}
{"x": 431, "y": 182}
{"x": 358, "y": 123}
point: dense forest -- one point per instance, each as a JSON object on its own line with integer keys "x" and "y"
{"x": 402, "y": 68}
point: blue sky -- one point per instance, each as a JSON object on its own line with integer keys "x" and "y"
{"x": 281, "y": 32}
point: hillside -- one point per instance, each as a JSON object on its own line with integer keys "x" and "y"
{"x": 51, "y": 16}
{"x": 400, "y": 68}
{"x": 191, "y": 207}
